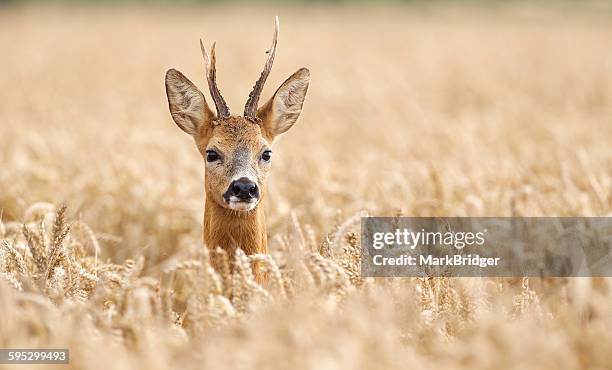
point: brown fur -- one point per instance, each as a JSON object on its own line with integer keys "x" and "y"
{"x": 240, "y": 142}
{"x": 227, "y": 228}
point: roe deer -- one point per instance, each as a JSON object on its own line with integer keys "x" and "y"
{"x": 236, "y": 149}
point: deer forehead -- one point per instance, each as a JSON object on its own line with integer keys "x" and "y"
{"x": 236, "y": 136}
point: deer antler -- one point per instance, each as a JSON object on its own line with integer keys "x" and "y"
{"x": 250, "y": 109}
{"x": 211, "y": 76}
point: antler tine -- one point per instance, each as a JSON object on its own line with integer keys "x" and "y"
{"x": 250, "y": 109}
{"x": 211, "y": 77}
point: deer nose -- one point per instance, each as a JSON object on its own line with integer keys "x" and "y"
{"x": 244, "y": 189}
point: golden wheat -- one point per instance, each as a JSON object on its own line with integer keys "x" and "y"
{"x": 411, "y": 111}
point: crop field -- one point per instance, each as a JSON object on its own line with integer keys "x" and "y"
{"x": 414, "y": 110}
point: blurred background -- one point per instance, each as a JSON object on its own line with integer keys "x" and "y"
{"x": 420, "y": 108}
{"x": 439, "y": 108}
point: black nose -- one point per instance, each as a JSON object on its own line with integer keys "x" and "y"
{"x": 244, "y": 189}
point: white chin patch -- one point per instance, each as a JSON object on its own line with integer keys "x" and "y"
{"x": 238, "y": 205}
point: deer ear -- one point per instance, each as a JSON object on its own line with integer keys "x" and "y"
{"x": 280, "y": 112}
{"x": 187, "y": 104}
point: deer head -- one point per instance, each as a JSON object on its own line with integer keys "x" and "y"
{"x": 237, "y": 150}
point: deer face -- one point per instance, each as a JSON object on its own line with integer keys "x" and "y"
{"x": 237, "y": 150}
{"x": 238, "y": 159}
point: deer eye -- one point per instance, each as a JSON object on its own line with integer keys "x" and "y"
{"x": 212, "y": 156}
{"x": 266, "y": 155}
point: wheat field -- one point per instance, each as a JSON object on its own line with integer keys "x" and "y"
{"x": 444, "y": 111}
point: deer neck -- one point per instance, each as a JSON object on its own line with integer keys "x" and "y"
{"x": 231, "y": 229}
